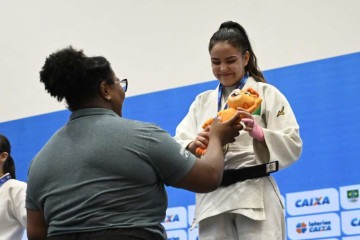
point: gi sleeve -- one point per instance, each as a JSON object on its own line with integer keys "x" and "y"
{"x": 187, "y": 130}
{"x": 281, "y": 131}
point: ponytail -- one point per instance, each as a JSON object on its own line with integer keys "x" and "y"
{"x": 9, "y": 165}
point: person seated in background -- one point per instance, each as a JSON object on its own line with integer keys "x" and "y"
{"x": 102, "y": 176}
{"x": 12, "y": 196}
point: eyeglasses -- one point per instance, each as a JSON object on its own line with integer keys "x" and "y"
{"x": 123, "y": 83}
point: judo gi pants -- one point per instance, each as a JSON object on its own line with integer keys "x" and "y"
{"x": 231, "y": 226}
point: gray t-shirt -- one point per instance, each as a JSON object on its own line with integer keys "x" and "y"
{"x": 102, "y": 171}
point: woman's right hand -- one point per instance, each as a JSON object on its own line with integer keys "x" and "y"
{"x": 201, "y": 141}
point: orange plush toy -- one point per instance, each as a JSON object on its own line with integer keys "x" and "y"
{"x": 247, "y": 99}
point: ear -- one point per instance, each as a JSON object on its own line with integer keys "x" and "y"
{"x": 104, "y": 91}
{"x": 246, "y": 57}
{"x": 3, "y": 156}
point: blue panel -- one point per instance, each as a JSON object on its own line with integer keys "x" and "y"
{"x": 165, "y": 108}
{"x": 324, "y": 97}
{"x": 28, "y": 135}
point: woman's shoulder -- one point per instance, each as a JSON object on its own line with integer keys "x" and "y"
{"x": 15, "y": 187}
{"x": 17, "y": 183}
{"x": 139, "y": 124}
{"x": 207, "y": 92}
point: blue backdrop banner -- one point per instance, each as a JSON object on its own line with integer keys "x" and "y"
{"x": 320, "y": 191}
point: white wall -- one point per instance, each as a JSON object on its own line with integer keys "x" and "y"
{"x": 160, "y": 44}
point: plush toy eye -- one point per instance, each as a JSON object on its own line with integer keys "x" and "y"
{"x": 235, "y": 94}
{"x": 247, "y": 93}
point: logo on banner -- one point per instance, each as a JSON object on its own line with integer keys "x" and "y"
{"x": 172, "y": 218}
{"x": 350, "y": 221}
{"x": 312, "y": 202}
{"x": 349, "y": 196}
{"x": 314, "y": 226}
{"x": 175, "y": 218}
{"x": 320, "y": 226}
{"x": 355, "y": 222}
{"x": 301, "y": 227}
{"x": 353, "y": 195}
{"x": 322, "y": 200}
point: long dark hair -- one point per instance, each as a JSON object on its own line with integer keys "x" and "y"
{"x": 234, "y": 34}
{"x": 9, "y": 165}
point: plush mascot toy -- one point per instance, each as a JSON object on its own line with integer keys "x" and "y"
{"x": 247, "y": 99}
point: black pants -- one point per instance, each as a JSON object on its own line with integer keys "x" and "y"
{"x": 110, "y": 234}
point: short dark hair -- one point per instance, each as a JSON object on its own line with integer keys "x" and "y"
{"x": 70, "y": 74}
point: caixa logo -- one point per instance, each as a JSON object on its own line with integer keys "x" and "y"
{"x": 316, "y": 226}
{"x": 175, "y": 218}
{"x": 322, "y": 200}
{"x": 350, "y": 221}
{"x": 313, "y": 227}
{"x": 355, "y": 222}
{"x": 172, "y": 218}
{"x": 312, "y": 201}
{"x": 301, "y": 227}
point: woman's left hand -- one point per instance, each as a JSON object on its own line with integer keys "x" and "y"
{"x": 250, "y": 125}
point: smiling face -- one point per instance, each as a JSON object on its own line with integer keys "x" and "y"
{"x": 228, "y": 63}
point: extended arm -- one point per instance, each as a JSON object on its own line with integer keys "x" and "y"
{"x": 206, "y": 174}
{"x": 36, "y": 225}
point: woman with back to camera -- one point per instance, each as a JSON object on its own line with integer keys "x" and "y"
{"x": 247, "y": 205}
{"x": 102, "y": 176}
{"x": 12, "y": 196}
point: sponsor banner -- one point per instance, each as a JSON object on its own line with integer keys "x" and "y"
{"x": 310, "y": 202}
{"x": 193, "y": 234}
{"x": 177, "y": 235}
{"x": 351, "y": 238}
{"x": 314, "y": 226}
{"x": 350, "y": 222}
{"x": 328, "y": 239}
{"x": 349, "y": 196}
{"x": 175, "y": 218}
{"x": 191, "y": 212}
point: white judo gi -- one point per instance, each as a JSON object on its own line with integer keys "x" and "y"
{"x": 12, "y": 210}
{"x": 253, "y": 204}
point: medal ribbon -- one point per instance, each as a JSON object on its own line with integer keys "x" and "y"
{"x": 4, "y": 179}
{"x": 239, "y": 86}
